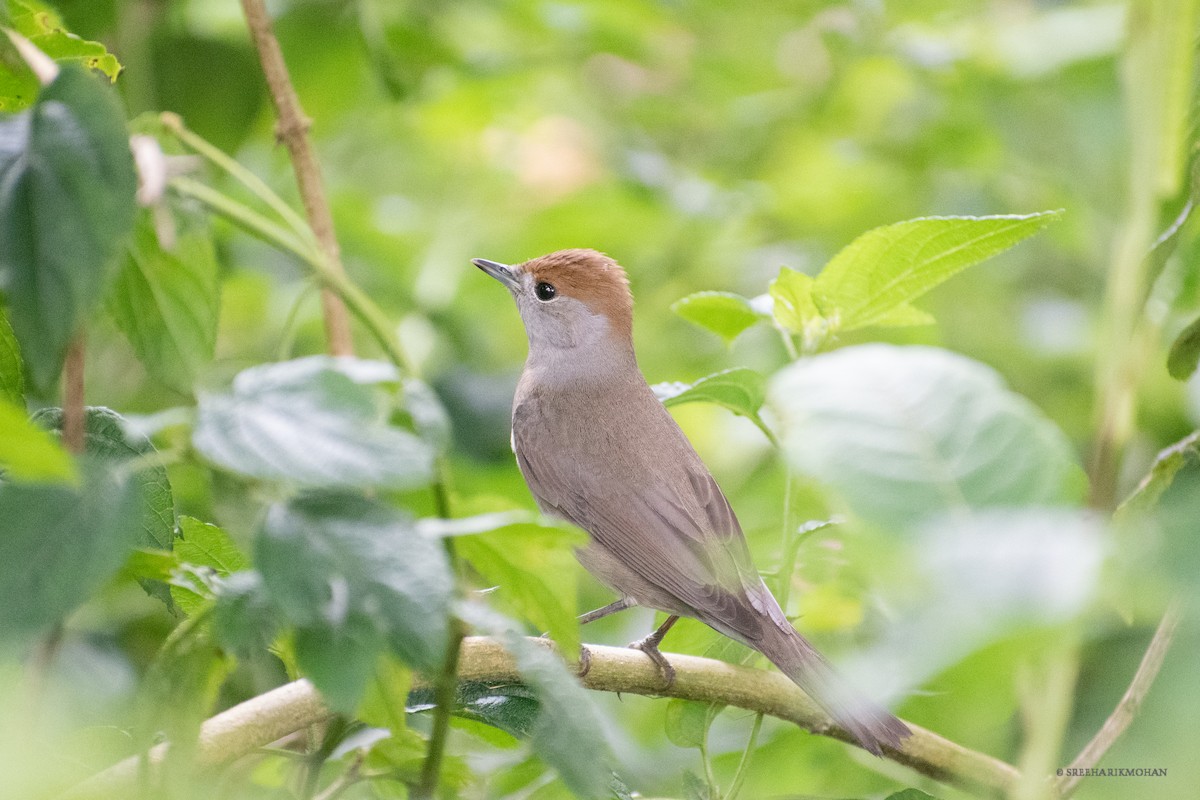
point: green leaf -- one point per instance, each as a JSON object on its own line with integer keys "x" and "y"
{"x": 315, "y": 421}
{"x": 510, "y": 707}
{"x": 386, "y": 696}
{"x": 39, "y": 23}
{"x": 1185, "y": 352}
{"x": 889, "y": 267}
{"x": 207, "y": 552}
{"x": 352, "y": 569}
{"x": 1166, "y": 466}
{"x": 244, "y": 618}
{"x": 59, "y": 544}
{"x": 739, "y": 389}
{"x": 105, "y": 437}
{"x": 906, "y": 432}
{"x": 532, "y": 567}
{"x": 67, "y": 188}
{"x": 687, "y": 721}
{"x": 27, "y": 452}
{"x": 12, "y": 371}
{"x": 725, "y": 314}
{"x": 911, "y": 794}
{"x": 339, "y": 658}
{"x": 568, "y": 731}
{"x": 792, "y": 304}
{"x": 166, "y": 302}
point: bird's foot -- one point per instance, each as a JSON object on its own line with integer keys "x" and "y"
{"x": 649, "y": 646}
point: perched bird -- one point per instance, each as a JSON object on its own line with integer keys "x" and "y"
{"x": 599, "y": 450}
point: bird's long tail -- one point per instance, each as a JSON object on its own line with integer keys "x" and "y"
{"x": 871, "y": 724}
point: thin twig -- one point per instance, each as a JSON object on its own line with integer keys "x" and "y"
{"x": 73, "y": 409}
{"x": 740, "y": 775}
{"x": 293, "y": 132}
{"x": 351, "y": 776}
{"x": 1130, "y": 704}
{"x": 445, "y": 694}
{"x": 268, "y": 717}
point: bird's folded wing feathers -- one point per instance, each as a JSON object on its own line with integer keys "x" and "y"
{"x": 687, "y": 543}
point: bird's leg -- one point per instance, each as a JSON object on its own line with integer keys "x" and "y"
{"x": 649, "y": 646}
{"x": 611, "y": 608}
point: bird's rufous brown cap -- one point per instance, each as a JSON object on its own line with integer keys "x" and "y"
{"x": 590, "y": 277}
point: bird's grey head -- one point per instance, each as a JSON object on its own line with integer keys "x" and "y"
{"x": 571, "y": 301}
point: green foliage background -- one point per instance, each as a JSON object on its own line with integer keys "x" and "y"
{"x": 704, "y": 145}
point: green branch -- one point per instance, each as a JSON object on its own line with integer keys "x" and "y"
{"x": 259, "y": 721}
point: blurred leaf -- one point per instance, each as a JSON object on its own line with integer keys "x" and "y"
{"x": 723, "y": 313}
{"x": 888, "y": 267}
{"x": 66, "y": 204}
{"x": 906, "y": 432}
{"x": 739, "y": 389}
{"x": 315, "y": 421}
{"x": 244, "y": 618}
{"x": 354, "y": 573}
{"x": 146, "y": 564}
{"x": 27, "y": 452}
{"x": 568, "y": 733}
{"x": 165, "y": 301}
{"x": 1176, "y": 515}
{"x": 533, "y": 570}
{"x": 1166, "y": 465}
{"x": 687, "y": 721}
{"x": 430, "y": 418}
{"x": 12, "y": 371}
{"x": 105, "y": 437}
{"x": 387, "y": 694}
{"x": 339, "y": 658}
{"x": 911, "y": 794}
{"x": 59, "y": 544}
{"x": 1185, "y": 352}
{"x": 512, "y": 708}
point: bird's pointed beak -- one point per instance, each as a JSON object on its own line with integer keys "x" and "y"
{"x": 501, "y": 272}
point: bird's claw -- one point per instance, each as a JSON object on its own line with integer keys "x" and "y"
{"x": 585, "y": 661}
{"x": 649, "y": 646}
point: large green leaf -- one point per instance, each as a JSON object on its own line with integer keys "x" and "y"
{"x": 906, "y": 432}
{"x": 532, "y": 567}
{"x": 739, "y": 389}
{"x": 166, "y": 301}
{"x": 106, "y": 438}
{"x": 512, "y": 707}
{"x": 58, "y": 544}
{"x": 872, "y": 281}
{"x": 314, "y": 422}
{"x": 29, "y": 453}
{"x": 67, "y": 188}
{"x": 12, "y": 371}
{"x": 357, "y": 573}
{"x": 723, "y": 313}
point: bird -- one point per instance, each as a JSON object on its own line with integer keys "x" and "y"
{"x": 598, "y": 449}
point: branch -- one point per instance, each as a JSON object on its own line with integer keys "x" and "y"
{"x": 1130, "y": 704}
{"x": 293, "y": 132}
{"x": 263, "y": 719}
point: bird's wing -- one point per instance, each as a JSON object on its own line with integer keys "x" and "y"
{"x": 685, "y": 540}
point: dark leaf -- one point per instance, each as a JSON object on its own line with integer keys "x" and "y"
{"x": 59, "y": 544}
{"x": 338, "y": 563}
{"x": 67, "y": 188}
{"x": 1185, "y": 352}
{"x": 12, "y": 370}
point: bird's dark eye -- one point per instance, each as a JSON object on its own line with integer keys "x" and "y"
{"x": 545, "y": 291}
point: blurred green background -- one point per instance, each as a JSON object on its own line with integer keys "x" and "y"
{"x": 703, "y": 145}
